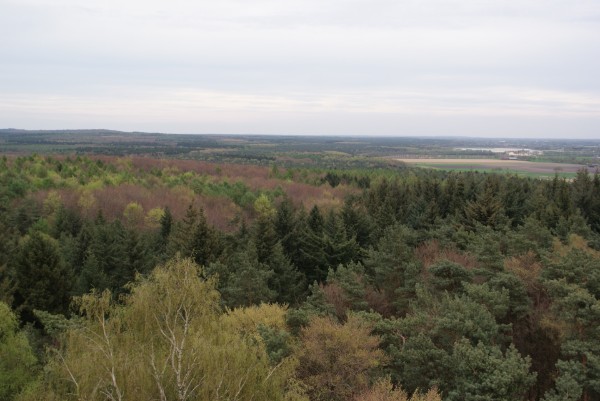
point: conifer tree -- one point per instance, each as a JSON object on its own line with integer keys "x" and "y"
{"x": 192, "y": 237}
{"x": 287, "y": 282}
{"x": 486, "y": 210}
{"x": 309, "y": 253}
{"x": 285, "y": 226}
{"x": 42, "y": 279}
{"x": 339, "y": 249}
{"x": 247, "y": 280}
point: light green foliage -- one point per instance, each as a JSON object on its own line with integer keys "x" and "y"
{"x": 154, "y": 217}
{"x": 264, "y": 207}
{"x": 577, "y": 267}
{"x": 18, "y": 364}
{"x": 55, "y": 324}
{"x": 335, "y": 360}
{"x": 384, "y": 390}
{"x": 509, "y": 269}
{"x": 166, "y": 342}
{"x": 87, "y": 201}
{"x": 133, "y": 214}
{"x": 52, "y": 203}
{"x": 247, "y": 321}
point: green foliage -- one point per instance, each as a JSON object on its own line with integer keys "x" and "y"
{"x": 499, "y": 376}
{"x": 133, "y": 214}
{"x": 446, "y": 267}
{"x": 309, "y": 253}
{"x": 243, "y": 280}
{"x": 383, "y": 390}
{"x": 448, "y": 276}
{"x": 263, "y": 206}
{"x": 42, "y": 279}
{"x": 419, "y": 363}
{"x": 277, "y": 343}
{"x": 451, "y": 318}
{"x": 486, "y": 210}
{"x": 18, "y": 365}
{"x": 335, "y": 360}
{"x": 392, "y": 266}
{"x": 496, "y": 301}
{"x": 287, "y": 282}
{"x": 167, "y": 341}
{"x": 192, "y": 237}
{"x": 351, "y": 281}
{"x": 339, "y": 249}
{"x": 567, "y": 386}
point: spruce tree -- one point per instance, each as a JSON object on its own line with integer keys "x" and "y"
{"x": 42, "y": 279}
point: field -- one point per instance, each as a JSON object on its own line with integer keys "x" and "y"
{"x": 539, "y": 169}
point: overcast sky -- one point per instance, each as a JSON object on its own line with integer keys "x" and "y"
{"x": 528, "y": 68}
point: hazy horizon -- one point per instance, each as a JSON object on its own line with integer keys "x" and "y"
{"x": 385, "y": 68}
{"x": 323, "y": 135}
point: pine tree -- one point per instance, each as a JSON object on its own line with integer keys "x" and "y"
{"x": 501, "y": 376}
{"x": 358, "y": 224}
{"x": 309, "y": 254}
{"x": 265, "y": 237}
{"x": 287, "y": 282}
{"x": 192, "y": 237}
{"x": 247, "y": 280}
{"x": 42, "y": 279}
{"x": 486, "y": 210}
{"x": 285, "y": 226}
{"x": 339, "y": 249}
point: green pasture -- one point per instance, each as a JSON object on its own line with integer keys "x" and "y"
{"x": 496, "y": 170}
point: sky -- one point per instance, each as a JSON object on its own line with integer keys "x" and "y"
{"x": 485, "y": 68}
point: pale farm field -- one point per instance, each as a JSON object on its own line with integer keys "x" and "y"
{"x": 496, "y": 164}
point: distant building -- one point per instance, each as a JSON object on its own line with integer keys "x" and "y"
{"x": 514, "y": 154}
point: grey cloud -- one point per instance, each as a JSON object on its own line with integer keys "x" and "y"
{"x": 450, "y": 52}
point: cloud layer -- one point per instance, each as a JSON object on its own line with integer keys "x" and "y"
{"x": 381, "y": 67}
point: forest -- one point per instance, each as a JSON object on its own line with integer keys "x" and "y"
{"x": 146, "y": 277}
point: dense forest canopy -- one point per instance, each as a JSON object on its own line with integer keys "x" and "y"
{"x": 125, "y": 278}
